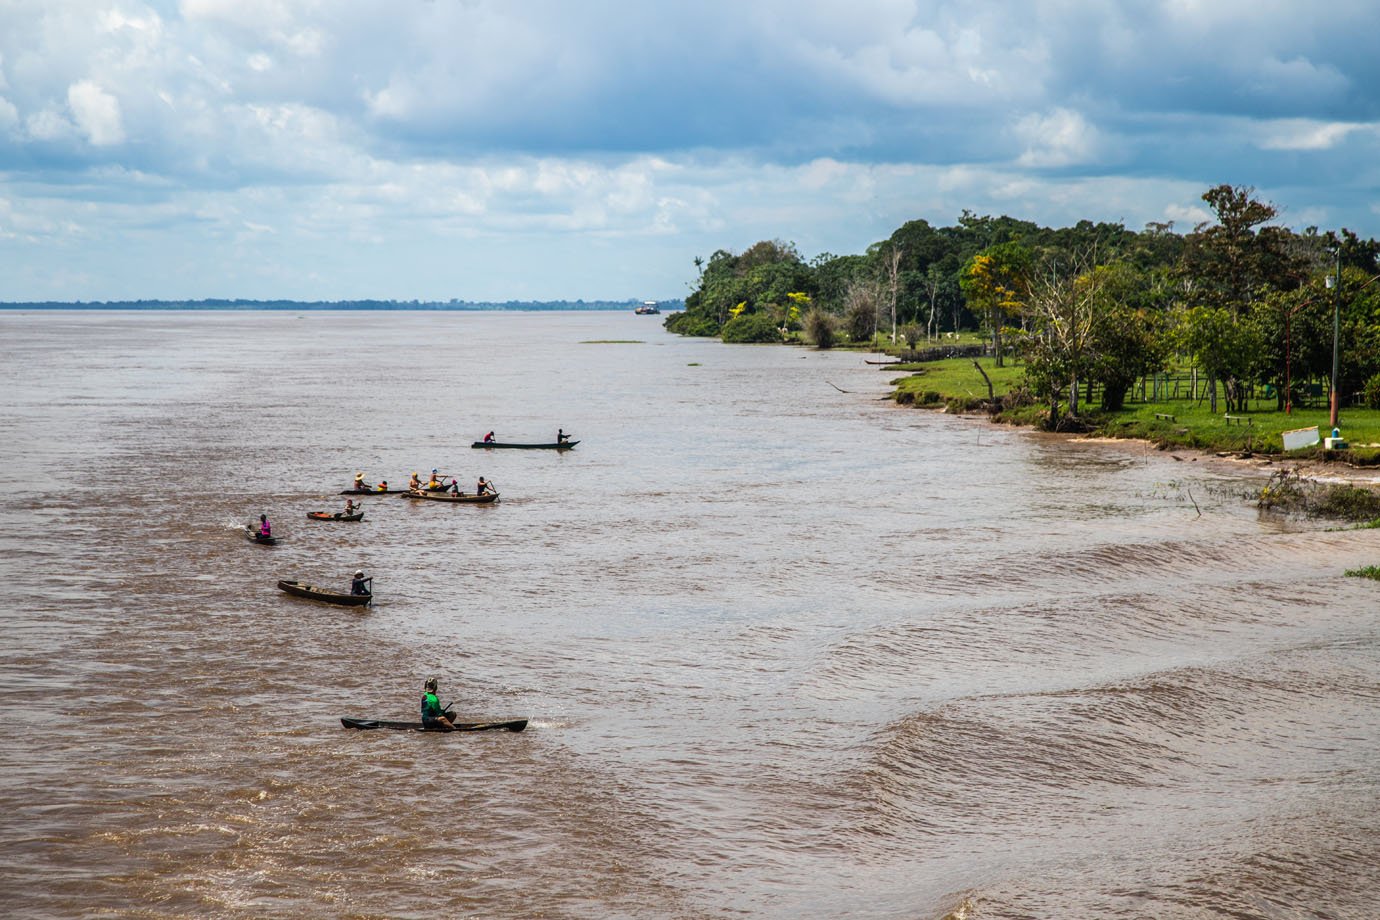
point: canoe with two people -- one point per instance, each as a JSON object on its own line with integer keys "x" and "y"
{"x": 361, "y": 487}
{"x": 562, "y": 442}
{"x": 352, "y": 512}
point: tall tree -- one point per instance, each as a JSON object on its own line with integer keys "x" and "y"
{"x": 996, "y": 282}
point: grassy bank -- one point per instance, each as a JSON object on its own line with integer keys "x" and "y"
{"x": 958, "y": 385}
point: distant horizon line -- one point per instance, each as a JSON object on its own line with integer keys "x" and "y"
{"x": 216, "y": 303}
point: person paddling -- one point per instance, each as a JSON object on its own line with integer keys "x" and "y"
{"x": 265, "y": 529}
{"x": 484, "y": 487}
{"x": 433, "y": 484}
{"x": 360, "y": 484}
{"x": 434, "y": 715}
{"x": 414, "y": 483}
{"x": 349, "y": 506}
{"x": 360, "y": 585}
{"x": 489, "y": 438}
{"x": 561, "y": 436}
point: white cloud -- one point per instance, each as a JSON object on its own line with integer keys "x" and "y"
{"x": 1060, "y": 138}
{"x": 1187, "y": 215}
{"x": 96, "y": 112}
{"x": 48, "y": 125}
{"x": 1306, "y": 134}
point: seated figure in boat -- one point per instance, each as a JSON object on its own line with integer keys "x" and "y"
{"x": 360, "y": 484}
{"x": 382, "y": 486}
{"x": 349, "y": 506}
{"x": 561, "y": 436}
{"x": 265, "y": 529}
{"x": 433, "y": 714}
{"x": 414, "y": 483}
{"x": 484, "y": 487}
{"x": 489, "y": 438}
{"x": 434, "y": 484}
{"x": 359, "y": 584}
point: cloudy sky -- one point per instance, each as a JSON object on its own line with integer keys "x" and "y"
{"x": 540, "y": 149}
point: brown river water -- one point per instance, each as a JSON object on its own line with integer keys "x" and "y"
{"x": 787, "y": 650}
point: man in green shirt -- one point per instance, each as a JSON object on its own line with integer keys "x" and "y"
{"x": 434, "y": 715}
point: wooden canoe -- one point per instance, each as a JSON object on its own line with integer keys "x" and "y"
{"x": 298, "y": 589}
{"x": 462, "y": 497}
{"x": 511, "y": 725}
{"x": 338, "y": 516}
{"x": 253, "y": 536}
{"x": 372, "y": 491}
{"x": 561, "y": 445}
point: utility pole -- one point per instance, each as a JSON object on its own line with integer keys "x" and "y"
{"x": 1336, "y": 333}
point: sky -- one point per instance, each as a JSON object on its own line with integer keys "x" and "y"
{"x": 501, "y": 150}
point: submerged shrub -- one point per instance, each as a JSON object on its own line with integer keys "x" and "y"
{"x": 690, "y": 324}
{"x": 821, "y": 328}
{"x": 1287, "y": 491}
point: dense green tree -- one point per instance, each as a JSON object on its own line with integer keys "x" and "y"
{"x": 833, "y": 274}
{"x": 1226, "y": 348}
{"x": 761, "y": 278}
{"x": 1130, "y": 335}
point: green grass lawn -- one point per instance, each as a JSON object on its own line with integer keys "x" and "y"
{"x": 957, "y": 383}
{"x": 957, "y": 378}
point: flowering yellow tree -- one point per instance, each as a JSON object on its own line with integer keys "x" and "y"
{"x": 797, "y": 305}
{"x": 997, "y": 284}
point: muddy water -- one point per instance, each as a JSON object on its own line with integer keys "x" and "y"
{"x": 787, "y": 651}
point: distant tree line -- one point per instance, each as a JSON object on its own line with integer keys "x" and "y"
{"x": 1244, "y": 300}
{"x": 223, "y": 304}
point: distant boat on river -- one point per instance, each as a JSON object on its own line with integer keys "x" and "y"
{"x": 648, "y": 307}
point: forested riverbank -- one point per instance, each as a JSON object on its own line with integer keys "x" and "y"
{"x": 1227, "y": 334}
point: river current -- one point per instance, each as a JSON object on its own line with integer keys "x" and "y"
{"x": 787, "y": 649}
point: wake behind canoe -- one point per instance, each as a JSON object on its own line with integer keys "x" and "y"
{"x": 511, "y": 725}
